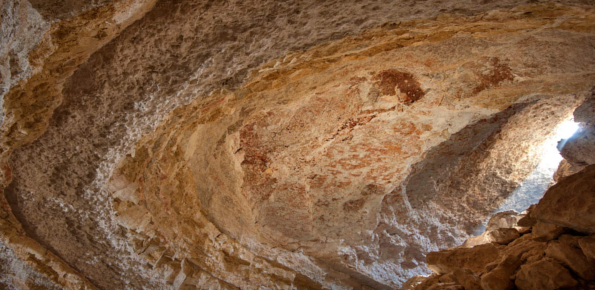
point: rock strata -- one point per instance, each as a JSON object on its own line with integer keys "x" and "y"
{"x": 291, "y": 145}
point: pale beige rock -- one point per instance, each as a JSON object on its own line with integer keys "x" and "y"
{"x": 412, "y": 282}
{"x": 500, "y": 278}
{"x": 477, "y": 240}
{"x": 505, "y": 219}
{"x": 579, "y": 150}
{"x": 572, "y": 257}
{"x": 545, "y": 274}
{"x": 501, "y": 228}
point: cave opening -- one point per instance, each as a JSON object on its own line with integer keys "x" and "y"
{"x": 534, "y": 186}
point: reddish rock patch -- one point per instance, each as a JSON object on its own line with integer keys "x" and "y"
{"x": 389, "y": 79}
{"x": 498, "y": 74}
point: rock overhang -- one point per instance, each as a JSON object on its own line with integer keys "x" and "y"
{"x": 316, "y": 170}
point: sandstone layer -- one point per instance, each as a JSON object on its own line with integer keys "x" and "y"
{"x": 264, "y": 145}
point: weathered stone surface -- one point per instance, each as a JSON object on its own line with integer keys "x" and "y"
{"x": 569, "y": 203}
{"x": 587, "y": 244}
{"x": 544, "y": 231}
{"x": 505, "y": 220}
{"x": 332, "y": 166}
{"x": 544, "y": 274}
{"x": 566, "y": 169}
{"x": 500, "y": 278}
{"x": 526, "y": 248}
{"x": 499, "y": 229}
{"x": 572, "y": 257}
{"x": 579, "y": 150}
{"x": 475, "y": 258}
{"x": 503, "y": 236}
{"x": 467, "y": 279}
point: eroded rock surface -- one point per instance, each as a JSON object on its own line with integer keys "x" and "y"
{"x": 249, "y": 145}
{"x": 540, "y": 258}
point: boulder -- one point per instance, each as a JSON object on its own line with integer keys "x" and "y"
{"x": 475, "y": 258}
{"x": 505, "y": 219}
{"x": 570, "y": 202}
{"x": 413, "y": 282}
{"x": 467, "y": 279}
{"x": 526, "y": 221}
{"x": 566, "y": 169}
{"x": 587, "y": 244}
{"x": 503, "y": 235}
{"x": 500, "y": 277}
{"x": 526, "y": 249}
{"x": 572, "y": 257}
{"x": 433, "y": 282}
{"x": 546, "y": 231}
{"x": 477, "y": 240}
{"x": 545, "y": 274}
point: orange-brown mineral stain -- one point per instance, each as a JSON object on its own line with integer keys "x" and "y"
{"x": 388, "y": 80}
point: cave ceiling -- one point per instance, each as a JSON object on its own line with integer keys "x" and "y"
{"x": 270, "y": 145}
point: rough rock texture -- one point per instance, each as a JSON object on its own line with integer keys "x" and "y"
{"x": 578, "y": 150}
{"x": 569, "y": 203}
{"x": 544, "y": 274}
{"x": 587, "y": 244}
{"x": 499, "y": 278}
{"x": 266, "y": 144}
{"x": 573, "y": 257}
{"x": 475, "y": 258}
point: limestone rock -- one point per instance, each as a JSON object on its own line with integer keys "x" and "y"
{"x": 544, "y": 274}
{"x": 412, "y": 282}
{"x": 587, "y": 244}
{"x": 467, "y": 279}
{"x": 275, "y": 144}
{"x": 475, "y": 258}
{"x": 526, "y": 248}
{"x": 566, "y": 169}
{"x": 505, "y": 219}
{"x": 546, "y": 231}
{"x": 500, "y": 229}
{"x": 526, "y": 221}
{"x": 499, "y": 278}
{"x": 572, "y": 257}
{"x": 569, "y": 204}
{"x": 477, "y": 240}
{"x": 503, "y": 235}
{"x": 579, "y": 150}
{"x": 426, "y": 283}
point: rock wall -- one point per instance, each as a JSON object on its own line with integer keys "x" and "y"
{"x": 550, "y": 246}
{"x": 278, "y": 145}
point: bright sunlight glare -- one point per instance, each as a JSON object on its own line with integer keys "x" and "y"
{"x": 567, "y": 129}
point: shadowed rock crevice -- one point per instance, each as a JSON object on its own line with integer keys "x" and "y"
{"x": 432, "y": 176}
